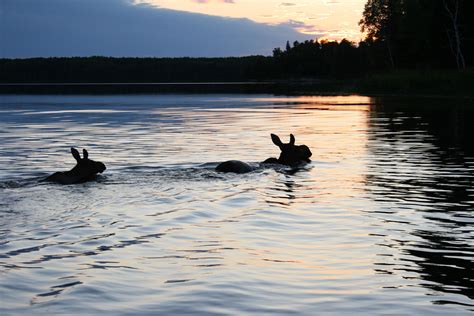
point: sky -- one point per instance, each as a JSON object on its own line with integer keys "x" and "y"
{"x": 169, "y": 28}
{"x": 332, "y": 19}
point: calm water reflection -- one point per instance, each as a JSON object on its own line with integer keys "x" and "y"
{"x": 379, "y": 223}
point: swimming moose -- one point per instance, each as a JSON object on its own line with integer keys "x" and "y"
{"x": 85, "y": 170}
{"x": 291, "y": 155}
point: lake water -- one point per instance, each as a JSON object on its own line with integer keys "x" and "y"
{"x": 380, "y": 223}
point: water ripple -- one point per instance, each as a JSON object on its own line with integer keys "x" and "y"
{"x": 379, "y": 223}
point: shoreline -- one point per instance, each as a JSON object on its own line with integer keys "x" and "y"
{"x": 399, "y": 83}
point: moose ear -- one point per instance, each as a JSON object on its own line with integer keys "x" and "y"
{"x": 276, "y": 140}
{"x": 85, "y": 154}
{"x": 75, "y": 154}
{"x": 292, "y": 139}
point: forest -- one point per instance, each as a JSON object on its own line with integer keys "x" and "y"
{"x": 400, "y": 35}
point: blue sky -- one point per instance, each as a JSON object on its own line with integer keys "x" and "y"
{"x": 44, "y": 28}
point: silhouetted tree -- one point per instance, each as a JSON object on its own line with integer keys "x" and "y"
{"x": 454, "y": 36}
{"x": 420, "y": 33}
{"x": 379, "y": 20}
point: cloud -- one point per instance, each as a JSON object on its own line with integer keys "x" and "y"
{"x": 304, "y": 27}
{"x": 43, "y": 28}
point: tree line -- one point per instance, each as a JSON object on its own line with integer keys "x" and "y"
{"x": 400, "y": 34}
{"x": 421, "y": 33}
{"x": 99, "y": 69}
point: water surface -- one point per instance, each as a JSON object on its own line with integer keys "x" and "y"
{"x": 381, "y": 222}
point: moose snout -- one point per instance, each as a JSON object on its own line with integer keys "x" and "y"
{"x": 101, "y": 167}
{"x": 306, "y": 151}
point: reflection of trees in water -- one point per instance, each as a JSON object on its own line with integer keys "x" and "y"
{"x": 422, "y": 163}
{"x": 446, "y": 262}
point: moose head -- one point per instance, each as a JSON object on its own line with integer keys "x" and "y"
{"x": 85, "y": 169}
{"x": 291, "y": 154}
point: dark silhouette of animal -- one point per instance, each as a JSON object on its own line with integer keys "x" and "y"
{"x": 291, "y": 155}
{"x": 85, "y": 170}
{"x": 235, "y": 166}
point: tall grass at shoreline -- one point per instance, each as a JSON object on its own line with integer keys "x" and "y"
{"x": 432, "y": 82}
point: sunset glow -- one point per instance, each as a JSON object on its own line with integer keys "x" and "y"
{"x": 330, "y": 19}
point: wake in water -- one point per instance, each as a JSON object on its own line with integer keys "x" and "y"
{"x": 153, "y": 174}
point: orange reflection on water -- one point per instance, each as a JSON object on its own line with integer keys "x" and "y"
{"x": 347, "y": 100}
{"x": 325, "y": 194}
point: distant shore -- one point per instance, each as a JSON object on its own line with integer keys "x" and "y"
{"x": 433, "y": 83}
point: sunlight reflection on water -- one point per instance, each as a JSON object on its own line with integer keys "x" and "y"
{"x": 379, "y": 223}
